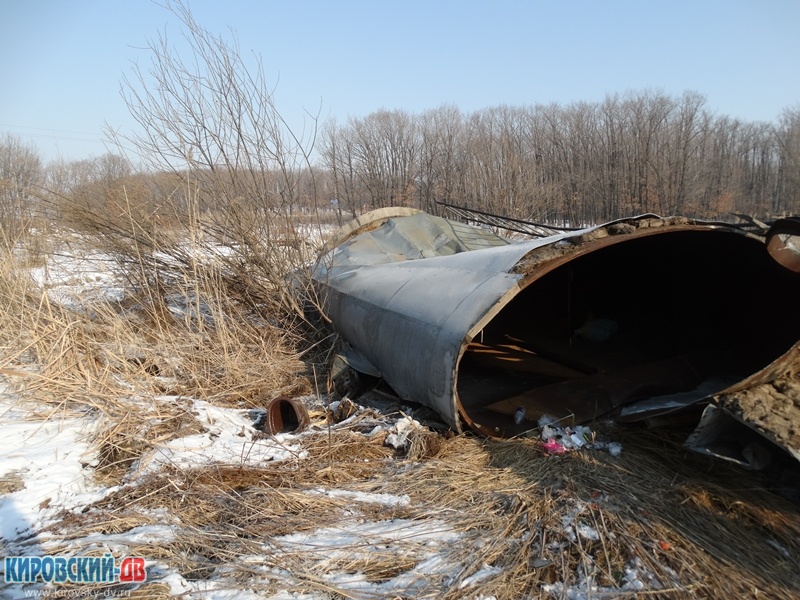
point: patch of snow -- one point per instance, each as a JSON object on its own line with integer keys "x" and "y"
{"x": 572, "y": 525}
{"x": 429, "y": 542}
{"x": 635, "y": 578}
{"x": 398, "y": 438}
{"x": 385, "y": 499}
{"x": 485, "y": 572}
{"x": 228, "y": 439}
{"x": 293, "y": 596}
{"x": 144, "y": 534}
{"x": 71, "y": 278}
{"x": 49, "y": 456}
{"x": 369, "y": 534}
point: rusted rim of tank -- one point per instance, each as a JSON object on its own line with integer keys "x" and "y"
{"x": 285, "y": 415}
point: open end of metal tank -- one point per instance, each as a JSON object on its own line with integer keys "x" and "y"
{"x": 627, "y": 326}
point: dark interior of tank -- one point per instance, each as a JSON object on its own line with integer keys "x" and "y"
{"x": 646, "y": 326}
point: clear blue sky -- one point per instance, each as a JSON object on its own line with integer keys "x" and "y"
{"x": 61, "y": 62}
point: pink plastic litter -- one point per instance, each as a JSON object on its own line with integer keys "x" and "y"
{"x": 553, "y": 447}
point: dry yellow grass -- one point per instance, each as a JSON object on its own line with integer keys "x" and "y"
{"x": 692, "y": 527}
{"x": 129, "y": 361}
{"x": 698, "y": 528}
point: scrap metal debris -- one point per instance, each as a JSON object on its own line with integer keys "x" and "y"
{"x": 284, "y": 415}
{"x": 638, "y": 319}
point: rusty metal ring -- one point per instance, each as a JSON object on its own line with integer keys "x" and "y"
{"x": 285, "y": 415}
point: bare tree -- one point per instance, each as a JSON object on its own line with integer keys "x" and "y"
{"x": 441, "y": 157}
{"x": 788, "y": 139}
{"x": 386, "y": 150}
{"x": 211, "y": 119}
{"x": 337, "y": 151}
{"x": 20, "y": 177}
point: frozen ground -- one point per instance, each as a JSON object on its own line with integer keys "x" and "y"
{"x": 46, "y": 465}
{"x": 48, "y": 478}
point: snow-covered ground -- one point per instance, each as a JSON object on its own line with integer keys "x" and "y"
{"x": 42, "y": 465}
{"x": 46, "y": 465}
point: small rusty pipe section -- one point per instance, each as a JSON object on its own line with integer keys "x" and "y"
{"x": 285, "y": 415}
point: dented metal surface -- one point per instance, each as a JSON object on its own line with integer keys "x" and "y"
{"x": 629, "y": 319}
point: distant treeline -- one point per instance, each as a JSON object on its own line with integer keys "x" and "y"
{"x": 577, "y": 164}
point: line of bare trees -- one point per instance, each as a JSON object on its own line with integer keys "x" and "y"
{"x": 578, "y": 164}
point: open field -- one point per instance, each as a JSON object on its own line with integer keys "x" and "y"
{"x": 129, "y": 415}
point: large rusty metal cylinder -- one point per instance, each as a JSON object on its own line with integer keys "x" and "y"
{"x": 629, "y": 319}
